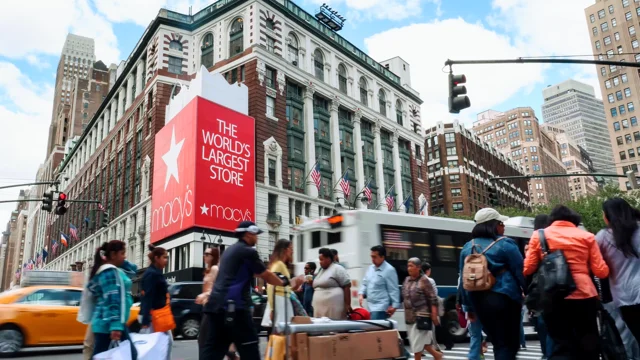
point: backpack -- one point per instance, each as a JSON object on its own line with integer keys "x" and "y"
{"x": 475, "y": 271}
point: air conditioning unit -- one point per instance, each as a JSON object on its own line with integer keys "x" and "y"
{"x": 295, "y": 63}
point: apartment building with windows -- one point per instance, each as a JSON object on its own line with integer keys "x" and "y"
{"x": 518, "y": 135}
{"x": 612, "y": 29}
{"x": 459, "y": 166}
{"x": 15, "y": 236}
{"x": 573, "y": 107}
{"x": 314, "y": 97}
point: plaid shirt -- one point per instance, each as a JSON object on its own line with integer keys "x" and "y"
{"x": 419, "y": 296}
{"x": 111, "y": 289}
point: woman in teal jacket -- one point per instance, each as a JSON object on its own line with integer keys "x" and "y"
{"x": 111, "y": 288}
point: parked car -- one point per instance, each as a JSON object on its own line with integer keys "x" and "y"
{"x": 188, "y": 315}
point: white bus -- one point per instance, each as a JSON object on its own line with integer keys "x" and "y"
{"x": 436, "y": 240}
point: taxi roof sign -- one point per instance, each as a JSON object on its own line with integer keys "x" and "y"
{"x": 49, "y": 277}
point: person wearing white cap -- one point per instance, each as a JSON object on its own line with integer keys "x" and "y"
{"x": 499, "y": 308}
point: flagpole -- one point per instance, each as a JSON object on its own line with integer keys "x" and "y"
{"x": 341, "y": 177}
{"x": 309, "y": 173}
{"x": 385, "y": 195}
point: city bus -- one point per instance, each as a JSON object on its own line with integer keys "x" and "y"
{"x": 435, "y": 240}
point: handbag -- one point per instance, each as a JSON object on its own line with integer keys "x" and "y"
{"x": 555, "y": 280}
{"x": 152, "y": 346}
{"x": 611, "y": 344}
{"x": 162, "y": 319}
{"x": 118, "y": 350}
{"x": 423, "y": 322}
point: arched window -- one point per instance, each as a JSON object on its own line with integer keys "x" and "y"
{"x": 270, "y": 24}
{"x": 382, "y": 102}
{"x": 318, "y": 64}
{"x": 342, "y": 78}
{"x": 362, "y": 84}
{"x": 399, "y": 112}
{"x": 236, "y": 38}
{"x": 206, "y": 59}
{"x": 292, "y": 49}
{"x": 175, "y": 45}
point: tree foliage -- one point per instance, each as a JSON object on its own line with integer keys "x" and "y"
{"x": 589, "y": 207}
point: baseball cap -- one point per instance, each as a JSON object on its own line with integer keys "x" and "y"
{"x": 488, "y": 214}
{"x": 248, "y": 226}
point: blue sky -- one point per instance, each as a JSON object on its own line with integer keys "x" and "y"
{"x": 423, "y": 32}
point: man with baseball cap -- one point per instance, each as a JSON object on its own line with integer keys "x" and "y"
{"x": 228, "y": 308}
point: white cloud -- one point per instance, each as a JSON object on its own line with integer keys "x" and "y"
{"x": 385, "y": 9}
{"x": 37, "y": 62}
{"x": 142, "y": 12}
{"x": 25, "y": 112}
{"x": 40, "y": 27}
{"x": 487, "y": 85}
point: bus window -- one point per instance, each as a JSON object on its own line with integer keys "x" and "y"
{"x": 402, "y": 244}
{"x": 315, "y": 239}
{"x": 333, "y": 237}
{"x": 445, "y": 249}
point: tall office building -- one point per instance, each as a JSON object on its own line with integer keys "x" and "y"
{"x": 612, "y": 27}
{"x": 573, "y": 107}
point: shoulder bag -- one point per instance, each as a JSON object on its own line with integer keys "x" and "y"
{"x": 554, "y": 279}
{"x": 423, "y": 321}
{"x": 162, "y": 319}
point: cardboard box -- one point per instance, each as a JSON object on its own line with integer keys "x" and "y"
{"x": 302, "y": 320}
{"x": 330, "y": 347}
{"x": 348, "y": 346}
{"x": 374, "y": 345}
{"x": 300, "y": 346}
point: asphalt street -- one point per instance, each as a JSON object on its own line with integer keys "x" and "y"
{"x": 188, "y": 350}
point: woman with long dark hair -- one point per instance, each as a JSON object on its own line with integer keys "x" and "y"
{"x": 211, "y": 259}
{"x": 499, "y": 308}
{"x": 620, "y": 247}
{"x": 155, "y": 291}
{"x": 111, "y": 289}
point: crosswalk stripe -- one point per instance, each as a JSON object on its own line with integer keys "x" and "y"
{"x": 532, "y": 352}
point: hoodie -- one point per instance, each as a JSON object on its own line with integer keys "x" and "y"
{"x": 111, "y": 290}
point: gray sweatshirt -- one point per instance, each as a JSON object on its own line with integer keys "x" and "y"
{"x": 624, "y": 275}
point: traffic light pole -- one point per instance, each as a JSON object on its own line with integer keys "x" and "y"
{"x": 30, "y": 184}
{"x": 552, "y": 176}
{"x": 78, "y": 201}
{"x": 520, "y": 60}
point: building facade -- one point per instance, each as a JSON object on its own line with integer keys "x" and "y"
{"x": 314, "y": 96}
{"x": 573, "y": 107}
{"x": 612, "y": 29}
{"x": 518, "y": 135}
{"x": 15, "y": 251}
{"x": 459, "y": 168}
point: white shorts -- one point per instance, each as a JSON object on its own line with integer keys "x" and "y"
{"x": 418, "y": 339}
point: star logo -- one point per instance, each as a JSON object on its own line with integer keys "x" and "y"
{"x": 205, "y": 209}
{"x": 171, "y": 159}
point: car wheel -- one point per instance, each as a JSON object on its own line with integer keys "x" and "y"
{"x": 458, "y": 333}
{"x": 11, "y": 340}
{"x": 190, "y": 328}
{"x": 134, "y": 327}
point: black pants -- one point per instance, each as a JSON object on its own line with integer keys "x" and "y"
{"x": 240, "y": 332}
{"x": 573, "y": 327}
{"x": 500, "y": 318}
{"x": 204, "y": 331}
{"x": 631, "y": 316}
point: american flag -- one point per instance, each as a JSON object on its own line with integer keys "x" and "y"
{"x": 367, "y": 192}
{"x": 54, "y": 247}
{"x": 390, "y": 201}
{"x": 315, "y": 175}
{"x": 344, "y": 184}
{"x": 73, "y": 232}
{"x": 39, "y": 260}
{"x": 100, "y": 207}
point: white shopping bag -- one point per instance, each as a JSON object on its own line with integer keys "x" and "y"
{"x": 122, "y": 351}
{"x": 152, "y": 346}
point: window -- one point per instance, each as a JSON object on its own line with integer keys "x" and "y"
{"x": 611, "y": 98}
{"x": 614, "y": 112}
{"x": 601, "y": 14}
{"x": 627, "y": 92}
{"x": 616, "y": 81}
{"x": 634, "y": 44}
{"x": 623, "y": 155}
{"x": 270, "y": 78}
{"x": 630, "y": 107}
{"x": 598, "y": 44}
{"x": 636, "y": 136}
{"x": 610, "y": 9}
{"x": 622, "y": 110}
{"x": 272, "y": 204}
{"x": 632, "y": 30}
{"x": 604, "y": 26}
{"x": 616, "y": 36}
{"x": 614, "y": 23}
{"x": 457, "y": 206}
{"x": 624, "y": 78}
{"x": 342, "y": 78}
{"x": 175, "y": 65}
{"x": 271, "y": 106}
{"x": 362, "y": 84}
{"x": 175, "y": 45}
{"x": 627, "y": 139}
{"x": 619, "y": 140}
{"x": 449, "y": 137}
{"x": 625, "y": 3}
{"x": 271, "y": 43}
{"x": 634, "y": 121}
{"x": 625, "y": 124}
{"x": 619, "y": 95}
{"x": 451, "y": 151}
{"x": 236, "y": 37}
{"x": 52, "y": 297}
{"x": 292, "y": 49}
{"x": 382, "y": 102}
{"x": 610, "y": 53}
{"x": 318, "y": 64}
{"x": 632, "y": 153}
{"x": 206, "y": 58}
{"x": 603, "y": 71}
{"x": 628, "y": 15}
{"x": 270, "y": 24}
{"x": 607, "y": 40}
{"x": 536, "y": 167}
{"x": 399, "y": 118}
{"x": 616, "y": 126}
{"x": 592, "y": 18}
{"x": 595, "y": 30}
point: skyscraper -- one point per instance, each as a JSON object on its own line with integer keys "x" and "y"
{"x": 612, "y": 27}
{"x": 573, "y": 107}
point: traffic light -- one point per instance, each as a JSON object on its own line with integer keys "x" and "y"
{"x": 61, "y": 209}
{"x": 457, "y": 103}
{"x": 47, "y": 202}
{"x": 493, "y": 196}
{"x": 105, "y": 219}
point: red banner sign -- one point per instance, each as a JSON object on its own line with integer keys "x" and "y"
{"x": 204, "y": 173}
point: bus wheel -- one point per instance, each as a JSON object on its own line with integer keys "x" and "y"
{"x": 450, "y": 321}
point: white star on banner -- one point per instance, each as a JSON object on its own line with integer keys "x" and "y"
{"x": 205, "y": 209}
{"x": 171, "y": 159}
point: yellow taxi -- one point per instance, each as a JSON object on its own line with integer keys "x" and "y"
{"x": 42, "y": 316}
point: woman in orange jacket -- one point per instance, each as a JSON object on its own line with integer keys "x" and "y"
{"x": 571, "y": 322}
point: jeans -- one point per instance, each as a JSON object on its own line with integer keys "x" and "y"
{"x": 475, "y": 345}
{"x": 102, "y": 342}
{"x": 546, "y": 343}
{"x": 572, "y": 325}
{"x": 523, "y": 341}
{"x": 500, "y": 316}
{"x": 631, "y": 316}
{"x": 221, "y": 334}
{"x": 379, "y": 315}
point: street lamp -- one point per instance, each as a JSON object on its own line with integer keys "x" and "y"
{"x": 352, "y": 205}
{"x": 218, "y": 240}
